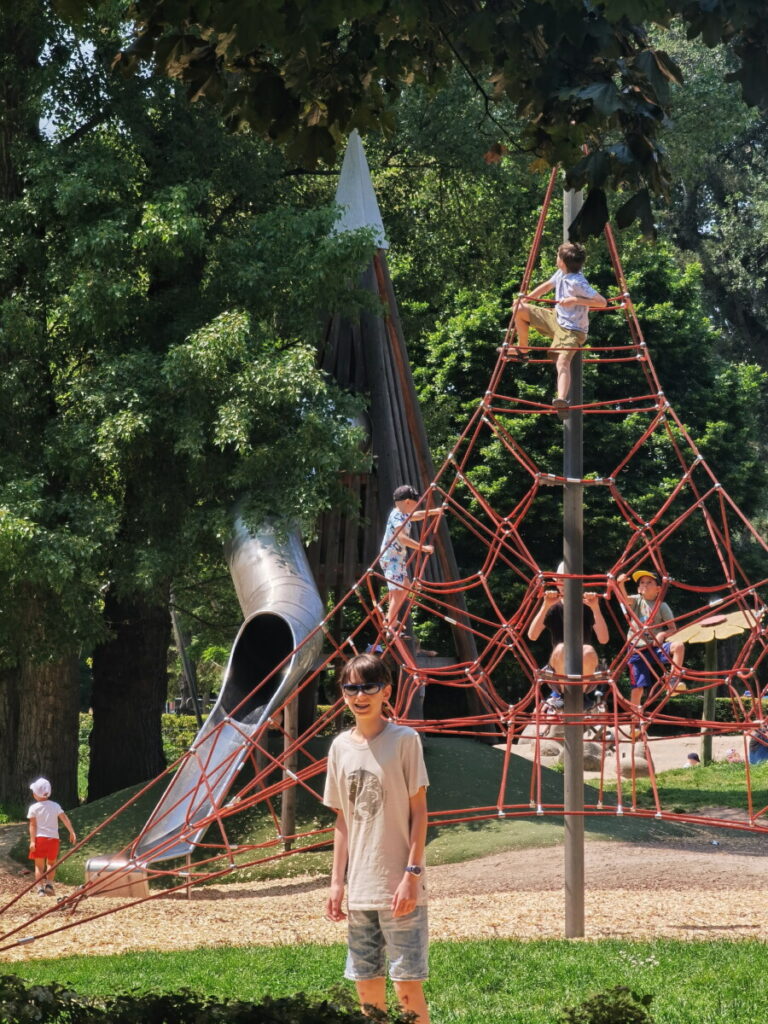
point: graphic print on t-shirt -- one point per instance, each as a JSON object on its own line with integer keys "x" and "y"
{"x": 366, "y": 795}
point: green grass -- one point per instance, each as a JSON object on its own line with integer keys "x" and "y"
{"x": 471, "y": 982}
{"x": 687, "y": 790}
{"x": 463, "y": 774}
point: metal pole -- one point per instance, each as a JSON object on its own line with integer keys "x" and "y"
{"x": 708, "y": 710}
{"x": 187, "y": 666}
{"x": 573, "y": 556}
{"x": 290, "y": 763}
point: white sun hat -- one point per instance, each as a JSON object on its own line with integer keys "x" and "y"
{"x": 41, "y": 788}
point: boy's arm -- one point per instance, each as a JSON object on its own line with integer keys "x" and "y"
{"x": 423, "y": 513}
{"x": 664, "y": 633}
{"x": 600, "y": 626}
{"x": 596, "y": 301}
{"x": 32, "y": 832}
{"x": 536, "y": 627}
{"x": 409, "y": 542}
{"x": 339, "y": 870}
{"x": 404, "y": 900}
{"x": 68, "y": 825}
{"x": 539, "y": 290}
{"x": 621, "y": 583}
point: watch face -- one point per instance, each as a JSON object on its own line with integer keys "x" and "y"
{"x": 414, "y": 869}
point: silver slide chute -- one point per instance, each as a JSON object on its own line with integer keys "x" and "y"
{"x": 281, "y": 608}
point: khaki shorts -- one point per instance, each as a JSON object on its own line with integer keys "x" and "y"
{"x": 545, "y": 322}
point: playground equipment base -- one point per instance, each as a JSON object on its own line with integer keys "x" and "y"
{"x": 115, "y": 876}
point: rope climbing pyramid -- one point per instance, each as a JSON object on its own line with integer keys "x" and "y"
{"x": 503, "y": 508}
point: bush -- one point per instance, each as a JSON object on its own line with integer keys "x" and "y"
{"x": 690, "y": 705}
{"x": 179, "y": 732}
{"x": 616, "y": 1006}
{"x": 20, "y": 1002}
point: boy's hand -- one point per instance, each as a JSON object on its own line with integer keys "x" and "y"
{"x": 404, "y": 900}
{"x": 571, "y": 300}
{"x": 551, "y": 597}
{"x": 72, "y": 838}
{"x": 428, "y": 549}
{"x": 333, "y": 909}
{"x": 591, "y": 598}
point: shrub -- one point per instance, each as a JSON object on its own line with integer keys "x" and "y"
{"x": 616, "y": 1006}
{"x": 41, "y": 1004}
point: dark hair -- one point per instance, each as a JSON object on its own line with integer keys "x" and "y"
{"x": 365, "y": 668}
{"x": 405, "y": 493}
{"x": 573, "y": 256}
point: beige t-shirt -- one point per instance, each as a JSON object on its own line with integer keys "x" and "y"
{"x": 644, "y": 611}
{"x": 371, "y": 783}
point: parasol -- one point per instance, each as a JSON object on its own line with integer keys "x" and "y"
{"x": 715, "y": 627}
{"x": 708, "y": 631}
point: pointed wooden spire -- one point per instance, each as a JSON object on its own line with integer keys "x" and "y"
{"x": 355, "y": 195}
{"x": 369, "y": 356}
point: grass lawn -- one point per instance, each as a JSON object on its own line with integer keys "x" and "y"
{"x": 687, "y": 790}
{"x": 463, "y": 774}
{"x": 472, "y": 982}
{"x": 515, "y": 982}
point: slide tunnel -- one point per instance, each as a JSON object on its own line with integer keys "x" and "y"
{"x": 281, "y": 607}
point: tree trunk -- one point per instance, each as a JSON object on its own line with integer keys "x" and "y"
{"x": 22, "y": 38}
{"x": 39, "y": 706}
{"x": 130, "y": 685}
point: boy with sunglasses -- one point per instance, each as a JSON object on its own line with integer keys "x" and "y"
{"x": 376, "y": 782}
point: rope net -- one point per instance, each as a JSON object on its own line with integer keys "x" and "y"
{"x": 491, "y": 604}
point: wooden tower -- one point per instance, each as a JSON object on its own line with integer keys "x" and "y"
{"x": 369, "y": 357}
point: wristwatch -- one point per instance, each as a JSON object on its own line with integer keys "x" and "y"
{"x": 414, "y": 869}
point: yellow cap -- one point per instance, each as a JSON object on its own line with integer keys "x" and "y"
{"x": 637, "y": 576}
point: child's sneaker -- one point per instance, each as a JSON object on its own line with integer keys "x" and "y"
{"x": 41, "y": 891}
{"x": 48, "y": 889}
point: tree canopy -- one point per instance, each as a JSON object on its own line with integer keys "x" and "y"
{"x": 305, "y": 72}
{"x": 159, "y": 295}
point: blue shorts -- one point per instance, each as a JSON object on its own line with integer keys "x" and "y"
{"x": 646, "y": 664}
{"x": 404, "y": 939}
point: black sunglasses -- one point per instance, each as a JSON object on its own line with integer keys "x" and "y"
{"x": 369, "y": 689}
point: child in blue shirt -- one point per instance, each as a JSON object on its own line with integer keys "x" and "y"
{"x": 394, "y": 547}
{"x": 567, "y": 324}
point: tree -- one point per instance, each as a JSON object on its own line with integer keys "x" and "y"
{"x": 459, "y": 231}
{"x": 160, "y": 294}
{"x": 43, "y": 564}
{"x": 302, "y": 73}
{"x": 719, "y": 200}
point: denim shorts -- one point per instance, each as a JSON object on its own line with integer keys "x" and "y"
{"x": 405, "y": 940}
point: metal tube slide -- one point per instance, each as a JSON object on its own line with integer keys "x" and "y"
{"x": 281, "y": 606}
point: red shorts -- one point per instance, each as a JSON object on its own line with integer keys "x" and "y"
{"x": 45, "y": 849}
